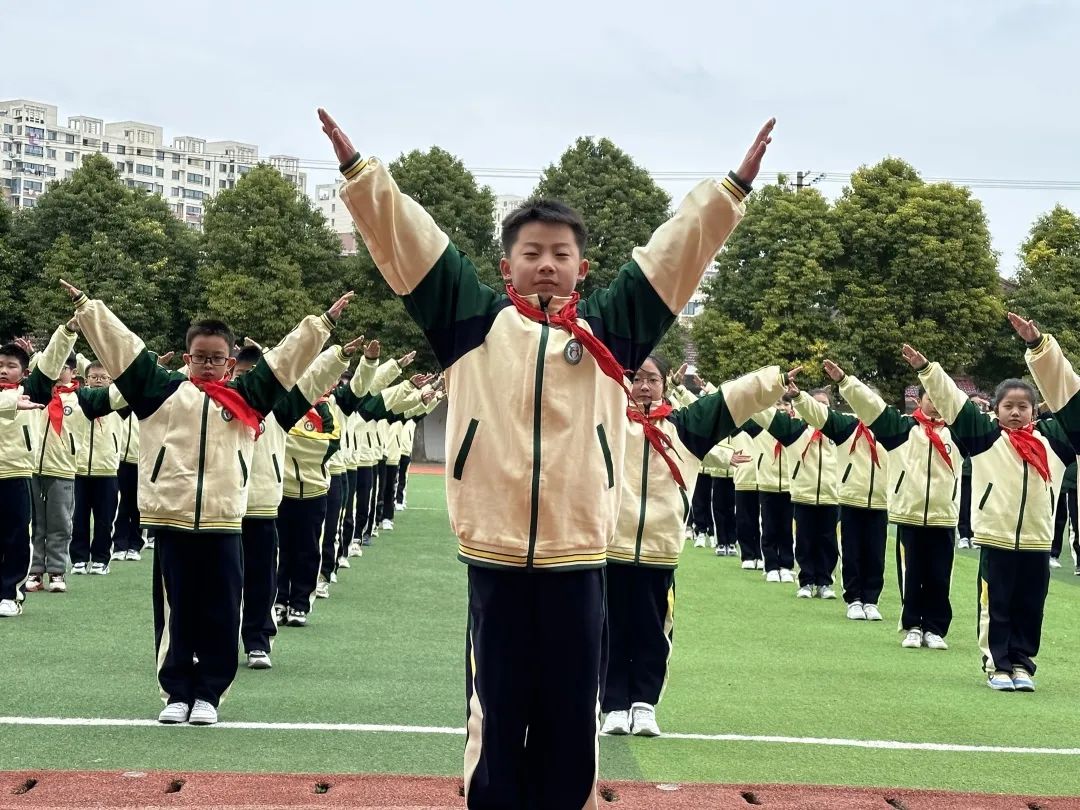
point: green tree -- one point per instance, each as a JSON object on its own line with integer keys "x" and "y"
{"x": 119, "y": 244}
{"x": 12, "y": 277}
{"x": 465, "y": 210}
{"x": 269, "y": 257}
{"x": 772, "y": 298}
{"x": 619, "y": 201}
{"x": 917, "y": 267}
{"x": 1048, "y": 282}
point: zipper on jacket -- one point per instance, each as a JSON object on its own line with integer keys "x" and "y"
{"x": 26, "y": 438}
{"x": 127, "y": 443}
{"x": 926, "y": 503}
{"x": 44, "y": 441}
{"x": 299, "y": 478}
{"x": 90, "y": 457}
{"x": 870, "y": 494}
{"x": 202, "y": 461}
{"x": 644, "y": 500}
{"x": 538, "y": 391}
{"x": 1023, "y": 505}
{"x": 819, "y": 462}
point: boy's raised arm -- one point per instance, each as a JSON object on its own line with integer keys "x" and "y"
{"x": 889, "y": 426}
{"x": 319, "y": 377}
{"x": 438, "y": 282}
{"x": 712, "y": 418}
{"x": 46, "y": 371}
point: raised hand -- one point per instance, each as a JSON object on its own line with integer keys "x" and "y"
{"x": 791, "y": 375}
{"x": 25, "y": 344}
{"x": 24, "y": 403}
{"x": 1028, "y": 330}
{"x": 739, "y": 457}
{"x": 836, "y": 374}
{"x": 350, "y": 348}
{"x": 164, "y": 359}
{"x": 343, "y": 147}
{"x": 751, "y": 164}
{"x": 72, "y": 326}
{"x": 420, "y": 380}
{"x": 427, "y": 396}
{"x": 407, "y": 359}
{"x": 339, "y": 306}
{"x": 680, "y": 374}
{"x": 71, "y": 290}
{"x": 251, "y": 344}
{"x": 914, "y": 357}
{"x": 372, "y": 350}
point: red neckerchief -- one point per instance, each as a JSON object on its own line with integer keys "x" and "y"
{"x": 9, "y": 386}
{"x": 314, "y": 416}
{"x": 1030, "y": 449}
{"x": 56, "y": 406}
{"x": 231, "y": 401}
{"x": 931, "y": 427}
{"x": 816, "y": 437}
{"x": 863, "y": 432}
{"x": 656, "y": 437}
{"x": 566, "y": 318}
{"x": 778, "y": 449}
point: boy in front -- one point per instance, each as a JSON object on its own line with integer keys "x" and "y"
{"x": 536, "y": 419}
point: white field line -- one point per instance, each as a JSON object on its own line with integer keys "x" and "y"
{"x": 889, "y": 745}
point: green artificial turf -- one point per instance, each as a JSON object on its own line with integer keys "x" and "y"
{"x": 387, "y": 648}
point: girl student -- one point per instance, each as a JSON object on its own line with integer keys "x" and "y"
{"x": 664, "y": 448}
{"x": 925, "y": 465}
{"x": 813, "y": 494}
{"x": 862, "y": 467}
{"x": 771, "y": 470}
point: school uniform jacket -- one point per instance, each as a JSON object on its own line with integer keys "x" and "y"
{"x": 649, "y": 530}
{"x": 813, "y": 462}
{"x": 367, "y": 451}
{"x": 98, "y": 437}
{"x": 129, "y": 440}
{"x": 20, "y": 437}
{"x": 1012, "y": 507}
{"x": 745, "y": 475}
{"x": 862, "y": 483}
{"x": 194, "y": 456}
{"x": 923, "y": 489}
{"x": 517, "y": 439}
{"x": 308, "y": 448}
{"x": 57, "y": 453}
{"x": 267, "y": 475}
{"x": 771, "y": 463}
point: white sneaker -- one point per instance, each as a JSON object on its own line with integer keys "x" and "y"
{"x": 643, "y": 721}
{"x": 786, "y": 575}
{"x": 296, "y": 618}
{"x": 133, "y": 556}
{"x": 280, "y": 614}
{"x": 202, "y": 714}
{"x": 116, "y": 555}
{"x": 856, "y": 612}
{"x": 78, "y": 569}
{"x": 617, "y": 723}
{"x": 934, "y": 642}
{"x": 399, "y": 507}
{"x": 700, "y": 541}
{"x": 387, "y": 525}
{"x": 963, "y": 542}
{"x": 826, "y": 592}
{"x": 872, "y": 613}
{"x": 258, "y": 659}
{"x": 1001, "y": 682}
{"x": 322, "y": 590}
{"x": 10, "y": 608}
{"x": 148, "y": 541}
{"x": 759, "y": 565}
{"x": 1022, "y": 681}
{"x": 749, "y": 565}
{"x": 174, "y": 713}
{"x": 333, "y": 578}
{"x": 99, "y": 569}
{"x": 711, "y": 541}
{"x": 57, "y": 583}
{"x": 33, "y": 583}
{"x": 805, "y": 592}
{"x": 772, "y": 576}
{"x": 1054, "y": 563}
{"x": 343, "y": 562}
{"x": 355, "y": 550}
{"x": 913, "y": 639}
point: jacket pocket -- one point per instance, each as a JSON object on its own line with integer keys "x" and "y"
{"x": 847, "y": 472}
{"x": 986, "y": 494}
{"x": 71, "y": 439}
{"x": 115, "y": 444}
{"x": 26, "y": 438}
{"x": 601, "y": 435}
{"x": 243, "y": 468}
{"x": 795, "y": 472}
{"x": 157, "y": 464}
{"x": 277, "y": 469}
{"x": 899, "y": 482}
{"x": 466, "y": 446}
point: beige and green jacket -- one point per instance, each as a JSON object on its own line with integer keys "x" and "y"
{"x": 812, "y": 460}
{"x": 194, "y": 456}
{"x": 923, "y": 489}
{"x": 862, "y": 484}
{"x": 99, "y": 437}
{"x": 516, "y": 439}
{"x": 649, "y": 530}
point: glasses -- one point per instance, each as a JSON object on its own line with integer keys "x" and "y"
{"x": 98, "y": 378}
{"x": 202, "y": 360}
{"x": 647, "y": 379}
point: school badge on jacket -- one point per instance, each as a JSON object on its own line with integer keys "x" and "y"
{"x": 573, "y": 351}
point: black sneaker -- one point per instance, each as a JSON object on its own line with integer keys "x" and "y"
{"x": 297, "y": 618}
{"x": 366, "y": 540}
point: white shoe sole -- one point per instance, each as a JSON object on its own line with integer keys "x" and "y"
{"x": 646, "y": 732}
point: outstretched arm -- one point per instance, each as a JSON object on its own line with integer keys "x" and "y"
{"x": 889, "y": 426}
{"x": 975, "y": 429}
{"x": 1053, "y": 374}
{"x": 44, "y": 374}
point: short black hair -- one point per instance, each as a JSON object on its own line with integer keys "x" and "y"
{"x": 347, "y": 374}
{"x": 209, "y": 328}
{"x": 662, "y": 365}
{"x": 922, "y": 392}
{"x": 71, "y": 361}
{"x": 541, "y": 210}
{"x": 249, "y": 355}
{"x": 12, "y": 350}
{"x": 1015, "y": 385}
{"x": 93, "y": 365}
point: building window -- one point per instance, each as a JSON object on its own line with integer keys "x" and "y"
{"x": 35, "y": 133}
{"x": 206, "y": 181}
{"x": 69, "y": 157}
{"x": 69, "y": 137}
{"x": 176, "y": 157}
{"x": 222, "y": 167}
{"x": 34, "y": 151}
{"x": 120, "y": 165}
{"x": 28, "y": 202}
{"x": 50, "y": 153}
{"x": 33, "y": 185}
{"x": 144, "y": 168}
{"x": 159, "y": 155}
{"x": 159, "y": 172}
{"x": 194, "y": 178}
{"x": 333, "y": 207}
{"x": 51, "y": 134}
{"x": 176, "y": 175}
{"x": 145, "y": 136}
{"x": 192, "y": 194}
{"x": 158, "y": 188}
{"x": 193, "y": 210}
{"x": 174, "y": 192}
{"x": 221, "y": 184}
{"x": 120, "y": 150}
{"x": 104, "y": 146}
{"x": 69, "y": 173}
{"x": 8, "y": 129}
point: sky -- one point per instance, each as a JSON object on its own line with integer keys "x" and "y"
{"x": 960, "y": 89}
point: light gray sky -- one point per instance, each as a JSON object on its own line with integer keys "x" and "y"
{"x": 964, "y": 88}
